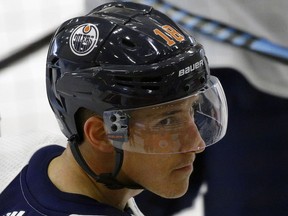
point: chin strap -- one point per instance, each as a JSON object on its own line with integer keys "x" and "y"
{"x": 108, "y": 179}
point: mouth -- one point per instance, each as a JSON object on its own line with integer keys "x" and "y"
{"x": 186, "y": 166}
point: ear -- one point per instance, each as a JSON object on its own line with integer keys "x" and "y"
{"x": 95, "y": 134}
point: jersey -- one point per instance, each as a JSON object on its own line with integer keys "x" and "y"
{"x": 32, "y": 193}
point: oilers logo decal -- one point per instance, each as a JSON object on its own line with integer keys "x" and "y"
{"x": 83, "y": 39}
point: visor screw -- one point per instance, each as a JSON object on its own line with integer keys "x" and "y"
{"x": 114, "y": 127}
{"x": 113, "y": 118}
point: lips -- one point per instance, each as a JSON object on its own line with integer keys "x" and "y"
{"x": 188, "y": 164}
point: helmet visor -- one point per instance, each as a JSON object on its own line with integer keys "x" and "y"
{"x": 183, "y": 125}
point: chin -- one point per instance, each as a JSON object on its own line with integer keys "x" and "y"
{"x": 173, "y": 194}
{"x": 174, "y": 191}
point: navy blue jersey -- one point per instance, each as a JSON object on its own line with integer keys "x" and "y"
{"x": 32, "y": 193}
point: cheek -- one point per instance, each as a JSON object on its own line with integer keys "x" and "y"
{"x": 146, "y": 170}
{"x": 138, "y": 165}
{"x": 155, "y": 173}
{"x": 161, "y": 142}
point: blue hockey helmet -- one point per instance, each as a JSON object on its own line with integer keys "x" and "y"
{"x": 123, "y": 57}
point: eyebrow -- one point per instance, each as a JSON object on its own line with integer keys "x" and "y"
{"x": 167, "y": 113}
{"x": 164, "y": 113}
{"x": 170, "y": 112}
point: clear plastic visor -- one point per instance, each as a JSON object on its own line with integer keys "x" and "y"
{"x": 184, "y": 125}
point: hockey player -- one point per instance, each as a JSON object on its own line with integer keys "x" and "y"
{"x": 133, "y": 94}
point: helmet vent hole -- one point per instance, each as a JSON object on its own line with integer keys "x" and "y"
{"x": 128, "y": 43}
{"x": 151, "y": 83}
{"x": 153, "y": 88}
{"x": 123, "y": 79}
{"x": 151, "y": 79}
{"x": 54, "y": 61}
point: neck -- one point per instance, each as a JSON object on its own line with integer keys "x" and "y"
{"x": 69, "y": 177}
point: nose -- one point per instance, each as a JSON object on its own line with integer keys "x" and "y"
{"x": 191, "y": 140}
{"x": 201, "y": 147}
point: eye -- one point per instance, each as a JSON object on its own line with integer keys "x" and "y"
{"x": 165, "y": 122}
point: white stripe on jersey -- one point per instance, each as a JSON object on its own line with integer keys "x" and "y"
{"x": 15, "y": 213}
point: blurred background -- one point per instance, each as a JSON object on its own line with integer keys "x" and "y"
{"x": 246, "y": 174}
{"x": 23, "y": 102}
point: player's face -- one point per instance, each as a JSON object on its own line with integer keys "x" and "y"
{"x": 164, "y": 174}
